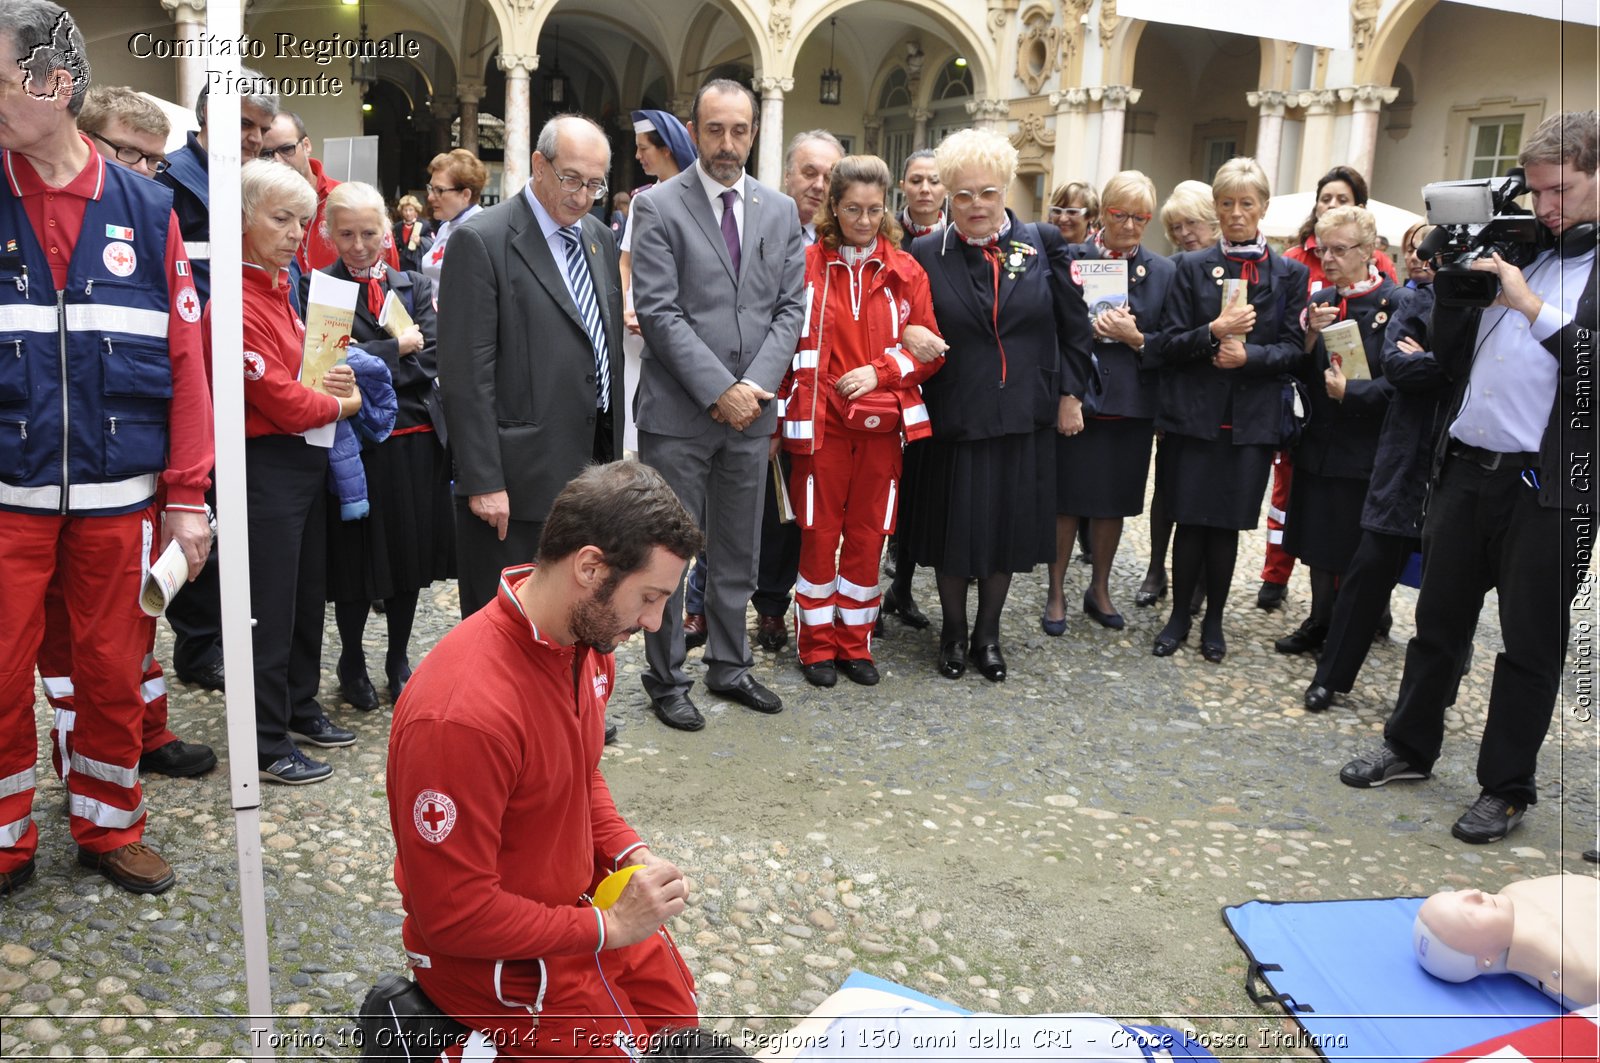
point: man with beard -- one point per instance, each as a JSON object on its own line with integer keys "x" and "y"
{"x": 504, "y": 825}
{"x": 720, "y": 315}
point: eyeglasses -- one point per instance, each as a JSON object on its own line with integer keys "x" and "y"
{"x": 966, "y": 197}
{"x": 1069, "y": 212}
{"x": 283, "y": 152}
{"x": 439, "y": 190}
{"x": 133, "y": 156}
{"x": 573, "y": 183}
{"x": 854, "y": 213}
{"x": 1338, "y": 250}
{"x": 1123, "y": 217}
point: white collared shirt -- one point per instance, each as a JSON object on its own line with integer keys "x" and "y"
{"x": 1514, "y": 378}
{"x": 552, "y": 236}
{"x": 714, "y": 190}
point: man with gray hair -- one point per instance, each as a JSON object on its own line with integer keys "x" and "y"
{"x": 530, "y": 352}
{"x": 93, "y": 277}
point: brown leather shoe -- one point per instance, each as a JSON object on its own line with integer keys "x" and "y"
{"x": 10, "y": 880}
{"x": 772, "y": 632}
{"x": 694, "y": 630}
{"x": 135, "y": 867}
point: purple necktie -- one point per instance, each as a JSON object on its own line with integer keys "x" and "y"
{"x": 730, "y": 228}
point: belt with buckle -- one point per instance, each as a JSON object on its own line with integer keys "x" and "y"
{"x": 1492, "y": 459}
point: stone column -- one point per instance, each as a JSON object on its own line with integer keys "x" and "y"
{"x": 1317, "y": 141}
{"x": 769, "y": 166}
{"x": 1114, "y": 101}
{"x": 444, "y": 110}
{"x": 1072, "y": 123}
{"x": 1366, "y": 101}
{"x": 468, "y": 93}
{"x": 989, "y": 114}
{"x": 1270, "y": 105}
{"x": 919, "y": 128}
{"x": 190, "y": 17}
{"x": 681, "y": 106}
{"x": 872, "y": 125}
{"x": 519, "y": 118}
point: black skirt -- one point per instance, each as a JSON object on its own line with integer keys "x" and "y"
{"x": 408, "y": 540}
{"x": 1101, "y": 471}
{"x": 1323, "y": 527}
{"x": 985, "y": 506}
{"x": 1212, "y": 482}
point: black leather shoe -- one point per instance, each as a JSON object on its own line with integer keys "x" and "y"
{"x": 1214, "y": 650}
{"x": 179, "y": 759}
{"x": 399, "y": 673}
{"x": 772, "y": 633}
{"x": 207, "y": 677}
{"x": 1168, "y": 641}
{"x": 820, "y": 673}
{"x": 953, "y": 659}
{"x": 1150, "y": 592}
{"x": 860, "y": 670}
{"x": 1318, "y": 698}
{"x": 1488, "y": 820}
{"x": 677, "y": 711}
{"x": 1271, "y": 595}
{"x": 752, "y": 695}
{"x": 1303, "y": 639}
{"x": 990, "y": 664}
{"x": 10, "y": 880}
{"x": 355, "y": 688}
{"x": 611, "y": 733}
{"x": 906, "y": 609}
{"x": 1112, "y": 620}
{"x": 323, "y": 732}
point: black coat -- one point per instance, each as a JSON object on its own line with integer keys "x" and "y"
{"x": 411, "y": 261}
{"x": 1131, "y": 382}
{"x": 1341, "y": 439}
{"x": 1566, "y": 451}
{"x": 1197, "y": 398}
{"x": 1399, "y": 483}
{"x": 412, "y": 374}
{"x": 989, "y": 389}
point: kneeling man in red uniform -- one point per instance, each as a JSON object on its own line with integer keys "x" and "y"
{"x": 504, "y": 825}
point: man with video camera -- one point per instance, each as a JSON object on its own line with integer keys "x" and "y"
{"x": 1511, "y": 504}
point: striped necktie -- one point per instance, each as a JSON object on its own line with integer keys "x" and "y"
{"x": 589, "y": 311}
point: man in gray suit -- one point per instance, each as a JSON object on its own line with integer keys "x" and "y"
{"x": 530, "y": 353}
{"x": 719, "y": 268}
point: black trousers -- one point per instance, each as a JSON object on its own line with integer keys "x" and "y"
{"x": 779, "y": 565}
{"x": 196, "y": 616}
{"x": 287, "y": 493}
{"x": 1486, "y": 529}
{"x": 1364, "y": 591}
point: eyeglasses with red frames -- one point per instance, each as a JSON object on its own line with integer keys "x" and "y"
{"x": 1114, "y": 216}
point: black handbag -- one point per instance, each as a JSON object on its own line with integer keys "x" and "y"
{"x": 1296, "y": 412}
{"x": 399, "y": 1024}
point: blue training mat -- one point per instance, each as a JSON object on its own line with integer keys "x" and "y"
{"x": 1177, "y": 1044}
{"x": 1344, "y": 971}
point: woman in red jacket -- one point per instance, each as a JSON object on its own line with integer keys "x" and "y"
{"x": 850, "y": 395}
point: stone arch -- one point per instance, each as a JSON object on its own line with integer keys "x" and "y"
{"x": 526, "y": 28}
{"x": 958, "y": 33}
{"x": 1120, "y": 53}
{"x": 1376, "y": 67}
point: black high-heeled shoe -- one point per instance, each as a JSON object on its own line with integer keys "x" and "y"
{"x": 1150, "y": 593}
{"x": 1214, "y": 650}
{"x": 355, "y": 686}
{"x": 953, "y": 658}
{"x": 1168, "y": 641}
{"x": 990, "y": 664}
{"x": 399, "y": 672}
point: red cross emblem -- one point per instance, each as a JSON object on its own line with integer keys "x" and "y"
{"x": 189, "y": 305}
{"x": 434, "y": 815}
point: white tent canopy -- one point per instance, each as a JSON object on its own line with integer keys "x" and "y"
{"x": 182, "y": 119}
{"x": 1285, "y": 214}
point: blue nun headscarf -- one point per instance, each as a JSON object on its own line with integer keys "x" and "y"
{"x": 667, "y": 126}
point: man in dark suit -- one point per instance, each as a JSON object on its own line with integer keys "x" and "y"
{"x": 530, "y": 342}
{"x": 1512, "y": 503}
{"x": 720, "y": 312}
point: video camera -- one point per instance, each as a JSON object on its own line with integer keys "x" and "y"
{"x": 1475, "y": 219}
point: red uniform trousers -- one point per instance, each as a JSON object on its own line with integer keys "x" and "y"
{"x": 565, "y": 1006}
{"x": 55, "y": 672}
{"x": 848, "y": 489}
{"x": 110, "y": 634}
{"x": 1279, "y": 565}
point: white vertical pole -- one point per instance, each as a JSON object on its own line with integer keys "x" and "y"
{"x": 225, "y": 20}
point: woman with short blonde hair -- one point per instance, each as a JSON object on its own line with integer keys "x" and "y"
{"x": 1190, "y": 216}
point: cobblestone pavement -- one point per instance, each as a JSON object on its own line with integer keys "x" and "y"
{"x": 1059, "y": 842}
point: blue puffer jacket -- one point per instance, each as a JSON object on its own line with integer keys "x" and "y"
{"x": 347, "y": 478}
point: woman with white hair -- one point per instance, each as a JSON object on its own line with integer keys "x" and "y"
{"x": 1222, "y": 396}
{"x": 1334, "y": 459}
{"x": 286, "y": 478}
{"x": 1018, "y": 362}
{"x": 407, "y": 539}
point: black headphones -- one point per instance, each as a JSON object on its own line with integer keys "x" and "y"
{"x": 1578, "y": 240}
